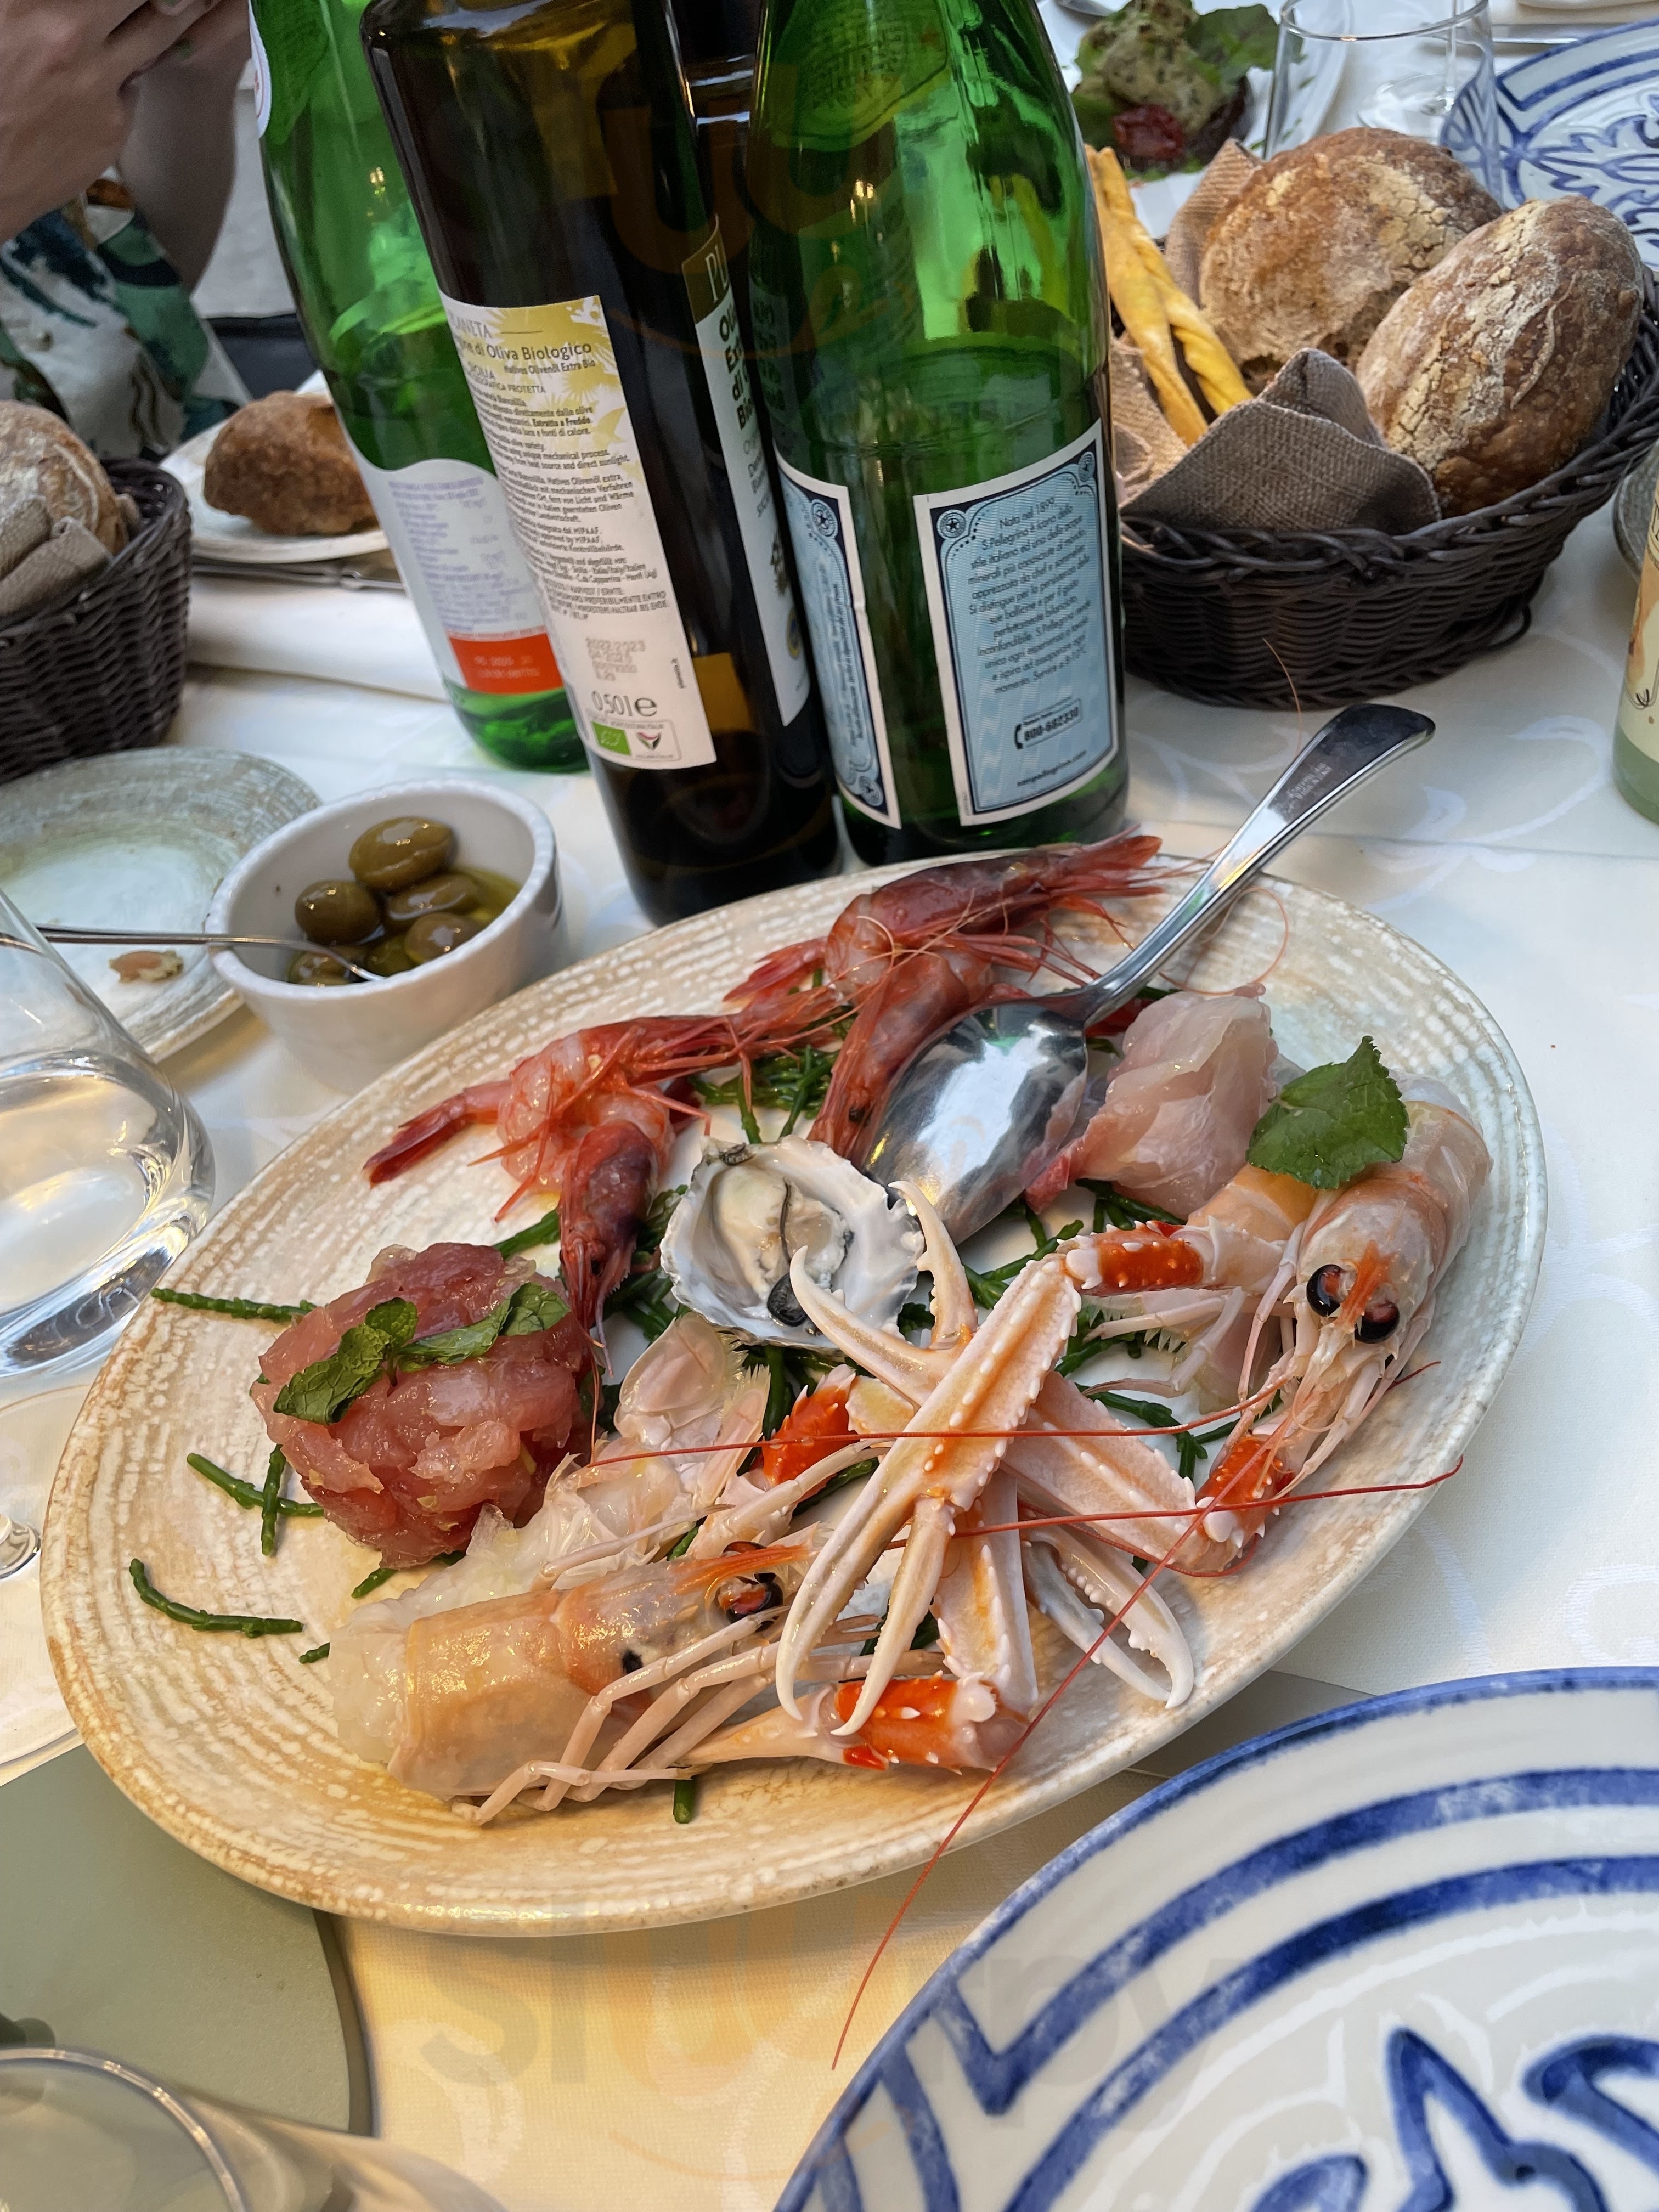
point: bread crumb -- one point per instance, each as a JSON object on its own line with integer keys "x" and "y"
{"x": 148, "y": 966}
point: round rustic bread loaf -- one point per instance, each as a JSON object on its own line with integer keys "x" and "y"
{"x": 1323, "y": 239}
{"x": 1494, "y": 368}
{"x": 284, "y": 462}
{"x": 41, "y": 458}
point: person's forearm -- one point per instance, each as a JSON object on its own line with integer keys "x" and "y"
{"x": 180, "y": 157}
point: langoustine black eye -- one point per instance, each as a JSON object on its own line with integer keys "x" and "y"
{"x": 1380, "y": 1319}
{"x": 1325, "y": 1290}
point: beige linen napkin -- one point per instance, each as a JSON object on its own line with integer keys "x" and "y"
{"x": 1303, "y": 455}
{"x": 35, "y": 567}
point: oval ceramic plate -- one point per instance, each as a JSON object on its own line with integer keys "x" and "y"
{"x": 1406, "y": 1956}
{"x": 141, "y": 841}
{"x": 234, "y": 537}
{"x": 229, "y": 1744}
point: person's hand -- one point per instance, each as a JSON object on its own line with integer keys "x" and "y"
{"x": 213, "y": 50}
{"x": 68, "y": 90}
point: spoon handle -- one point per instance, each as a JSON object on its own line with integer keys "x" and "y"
{"x": 62, "y": 933}
{"x": 1353, "y": 745}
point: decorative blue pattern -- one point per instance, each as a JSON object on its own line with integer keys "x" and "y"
{"x": 1584, "y": 118}
{"x": 1568, "y": 2080}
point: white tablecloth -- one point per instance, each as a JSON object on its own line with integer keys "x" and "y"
{"x": 693, "y": 2064}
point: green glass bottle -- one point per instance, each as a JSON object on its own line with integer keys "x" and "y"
{"x": 367, "y": 298}
{"x": 1636, "y": 733}
{"x": 929, "y": 314}
{"x": 549, "y": 151}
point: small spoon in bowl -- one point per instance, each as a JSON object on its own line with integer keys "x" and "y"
{"x": 55, "y": 935}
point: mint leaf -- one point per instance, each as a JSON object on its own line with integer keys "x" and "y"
{"x": 1234, "y": 40}
{"x": 1333, "y": 1123}
{"x": 322, "y": 1391}
{"x": 451, "y": 1345}
{"x": 396, "y": 1320}
{"x": 533, "y": 1307}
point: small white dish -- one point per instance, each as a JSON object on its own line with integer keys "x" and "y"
{"x": 234, "y": 537}
{"x": 348, "y": 1036}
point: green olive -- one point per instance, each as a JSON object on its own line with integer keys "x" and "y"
{"x": 320, "y": 969}
{"x": 450, "y": 893}
{"x": 337, "y": 911}
{"x": 495, "y": 893}
{"x": 405, "y": 849}
{"x": 388, "y": 958}
{"x": 434, "y": 935}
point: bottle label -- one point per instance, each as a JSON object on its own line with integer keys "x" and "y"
{"x": 1017, "y": 570}
{"x": 447, "y": 525}
{"x": 260, "y": 63}
{"x": 854, "y": 66}
{"x": 719, "y": 338}
{"x": 1639, "y": 709}
{"x": 832, "y": 584}
{"x": 550, "y": 402}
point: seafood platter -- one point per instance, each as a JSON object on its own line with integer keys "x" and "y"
{"x": 566, "y": 1491}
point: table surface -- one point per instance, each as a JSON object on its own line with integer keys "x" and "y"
{"x": 617, "y": 2070}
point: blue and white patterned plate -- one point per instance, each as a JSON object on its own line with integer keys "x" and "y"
{"x": 1400, "y": 1957}
{"x": 1584, "y": 118}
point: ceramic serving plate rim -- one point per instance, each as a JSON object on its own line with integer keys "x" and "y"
{"x": 214, "y": 1001}
{"x": 309, "y": 1878}
{"x": 1169, "y": 1796}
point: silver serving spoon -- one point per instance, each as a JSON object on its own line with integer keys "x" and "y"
{"x": 981, "y": 1110}
{"x": 56, "y": 935}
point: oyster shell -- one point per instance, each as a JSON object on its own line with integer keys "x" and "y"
{"x": 750, "y": 1208}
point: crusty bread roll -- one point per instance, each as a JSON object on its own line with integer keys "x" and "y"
{"x": 1323, "y": 239}
{"x": 1493, "y": 369}
{"x": 41, "y": 457}
{"x": 284, "y": 462}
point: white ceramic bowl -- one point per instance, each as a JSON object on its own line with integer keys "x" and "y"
{"x": 348, "y": 1036}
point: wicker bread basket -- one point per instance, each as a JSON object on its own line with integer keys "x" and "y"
{"x": 100, "y": 670}
{"x": 1270, "y": 618}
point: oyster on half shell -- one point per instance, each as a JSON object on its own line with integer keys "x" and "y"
{"x": 750, "y": 1208}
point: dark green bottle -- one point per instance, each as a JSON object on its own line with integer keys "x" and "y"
{"x": 549, "y": 148}
{"x": 366, "y": 295}
{"x": 929, "y": 313}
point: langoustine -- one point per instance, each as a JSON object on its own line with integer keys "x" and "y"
{"x": 1373, "y": 1253}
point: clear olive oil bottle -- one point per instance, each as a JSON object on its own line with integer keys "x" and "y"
{"x": 928, "y": 300}
{"x": 550, "y": 152}
{"x": 364, "y": 288}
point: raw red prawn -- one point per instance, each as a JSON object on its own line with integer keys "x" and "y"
{"x": 914, "y": 955}
{"x": 586, "y": 1118}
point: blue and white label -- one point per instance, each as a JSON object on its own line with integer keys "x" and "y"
{"x": 832, "y": 587}
{"x": 1017, "y": 571}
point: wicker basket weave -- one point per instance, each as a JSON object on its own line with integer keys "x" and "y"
{"x": 101, "y": 670}
{"x": 1272, "y": 617}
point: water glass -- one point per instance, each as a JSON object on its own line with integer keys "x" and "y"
{"x": 106, "y": 1173}
{"x": 1421, "y": 66}
{"x": 80, "y": 2131}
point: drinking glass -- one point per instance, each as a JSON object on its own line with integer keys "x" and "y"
{"x": 1421, "y": 66}
{"x": 80, "y": 2131}
{"x": 106, "y": 1173}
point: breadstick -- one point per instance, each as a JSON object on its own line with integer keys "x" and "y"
{"x": 1135, "y": 295}
{"x": 1208, "y": 359}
